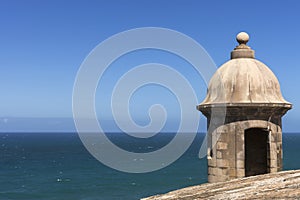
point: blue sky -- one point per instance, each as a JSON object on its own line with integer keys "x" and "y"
{"x": 43, "y": 44}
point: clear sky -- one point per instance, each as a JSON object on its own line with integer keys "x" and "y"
{"x": 43, "y": 44}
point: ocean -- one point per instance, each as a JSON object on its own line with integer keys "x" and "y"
{"x": 50, "y": 166}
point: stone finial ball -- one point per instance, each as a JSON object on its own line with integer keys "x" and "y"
{"x": 242, "y": 38}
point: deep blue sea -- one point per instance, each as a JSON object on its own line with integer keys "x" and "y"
{"x": 57, "y": 166}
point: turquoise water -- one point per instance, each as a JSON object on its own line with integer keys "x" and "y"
{"x": 57, "y": 166}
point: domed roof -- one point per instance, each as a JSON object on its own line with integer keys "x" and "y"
{"x": 244, "y": 80}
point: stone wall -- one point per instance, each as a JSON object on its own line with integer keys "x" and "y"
{"x": 226, "y": 154}
{"x": 281, "y": 185}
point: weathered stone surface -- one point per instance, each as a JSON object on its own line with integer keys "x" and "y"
{"x": 230, "y": 152}
{"x": 219, "y": 155}
{"x": 244, "y": 80}
{"x": 281, "y": 185}
{"x": 240, "y": 164}
{"x": 222, "y": 145}
{"x": 222, "y": 163}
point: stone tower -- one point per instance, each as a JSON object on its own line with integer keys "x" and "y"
{"x": 244, "y": 107}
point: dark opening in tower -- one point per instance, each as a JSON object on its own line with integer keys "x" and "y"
{"x": 256, "y": 151}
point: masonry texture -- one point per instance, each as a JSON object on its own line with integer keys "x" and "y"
{"x": 281, "y": 185}
{"x": 244, "y": 107}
